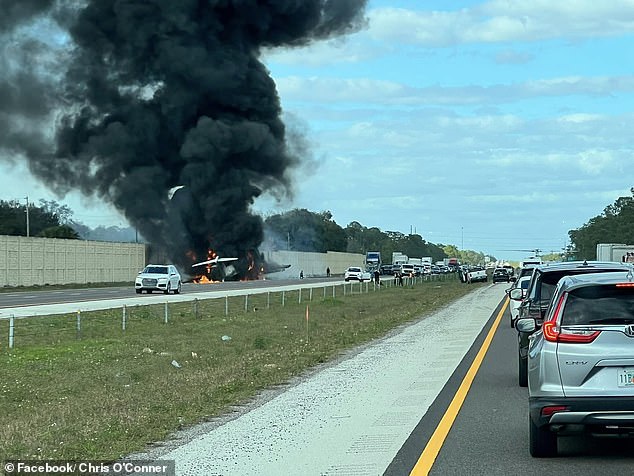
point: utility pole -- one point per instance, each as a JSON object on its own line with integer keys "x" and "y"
{"x": 462, "y": 238}
{"x": 28, "y": 232}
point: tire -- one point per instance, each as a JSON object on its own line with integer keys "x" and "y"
{"x": 542, "y": 441}
{"x": 168, "y": 289}
{"x": 178, "y": 288}
{"x": 522, "y": 371}
{"x": 138, "y": 291}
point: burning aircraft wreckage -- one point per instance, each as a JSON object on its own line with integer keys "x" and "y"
{"x": 162, "y": 109}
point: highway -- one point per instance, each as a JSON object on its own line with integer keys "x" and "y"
{"x": 59, "y": 301}
{"x": 436, "y": 397}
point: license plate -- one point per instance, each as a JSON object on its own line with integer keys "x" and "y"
{"x": 625, "y": 377}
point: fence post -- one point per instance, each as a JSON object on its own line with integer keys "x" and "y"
{"x": 300, "y": 296}
{"x": 123, "y": 318}
{"x": 246, "y": 302}
{"x": 283, "y": 296}
{"x": 310, "y": 294}
{"x": 268, "y": 300}
{"x": 79, "y": 324}
{"x": 196, "y": 308}
{"x": 166, "y": 312}
{"x": 333, "y": 291}
{"x": 226, "y": 305}
{"x": 11, "y": 330}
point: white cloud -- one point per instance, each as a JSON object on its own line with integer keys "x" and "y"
{"x": 501, "y": 21}
{"x": 383, "y": 92}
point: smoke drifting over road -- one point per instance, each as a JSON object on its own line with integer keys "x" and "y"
{"x": 157, "y": 94}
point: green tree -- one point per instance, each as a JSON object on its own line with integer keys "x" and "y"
{"x": 61, "y": 231}
{"x": 43, "y": 220}
{"x": 303, "y": 230}
{"x": 613, "y": 225}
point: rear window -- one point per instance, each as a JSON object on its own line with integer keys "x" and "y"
{"x": 599, "y": 305}
{"x": 550, "y": 280}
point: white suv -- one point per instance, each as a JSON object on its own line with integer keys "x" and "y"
{"x": 158, "y": 277}
{"x": 354, "y": 272}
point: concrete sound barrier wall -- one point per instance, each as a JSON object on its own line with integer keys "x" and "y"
{"x": 312, "y": 264}
{"x": 40, "y": 261}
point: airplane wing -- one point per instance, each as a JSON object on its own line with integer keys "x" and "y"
{"x": 214, "y": 261}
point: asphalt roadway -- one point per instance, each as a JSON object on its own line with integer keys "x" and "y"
{"x": 438, "y": 397}
{"x": 58, "y": 301}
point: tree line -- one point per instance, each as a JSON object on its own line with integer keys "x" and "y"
{"x": 296, "y": 230}
{"x": 48, "y": 220}
{"x": 303, "y": 230}
{"x": 613, "y": 225}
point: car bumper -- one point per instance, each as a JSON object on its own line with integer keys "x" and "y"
{"x": 155, "y": 287}
{"x": 597, "y": 415}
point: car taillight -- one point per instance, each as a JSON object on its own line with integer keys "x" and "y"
{"x": 549, "y": 328}
{"x": 624, "y": 285}
{"x": 553, "y": 333}
{"x": 574, "y": 336}
{"x": 550, "y": 411}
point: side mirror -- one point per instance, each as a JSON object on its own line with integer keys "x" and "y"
{"x": 516, "y": 294}
{"x": 526, "y": 325}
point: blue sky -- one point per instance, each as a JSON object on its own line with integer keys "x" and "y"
{"x": 493, "y": 125}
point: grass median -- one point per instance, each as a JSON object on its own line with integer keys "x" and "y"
{"x": 82, "y": 387}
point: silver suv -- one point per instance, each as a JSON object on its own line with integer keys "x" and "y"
{"x": 538, "y": 297}
{"x": 581, "y": 362}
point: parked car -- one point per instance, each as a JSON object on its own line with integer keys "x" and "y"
{"x": 408, "y": 270}
{"x": 477, "y": 273}
{"x": 526, "y": 270}
{"x": 158, "y": 277}
{"x": 356, "y": 273}
{"x": 509, "y": 269}
{"x": 386, "y": 269}
{"x": 514, "y": 305}
{"x": 501, "y": 275}
{"x": 540, "y": 290}
{"x": 581, "y": 362}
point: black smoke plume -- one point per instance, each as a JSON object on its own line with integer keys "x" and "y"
{"x": 158, "y": 94}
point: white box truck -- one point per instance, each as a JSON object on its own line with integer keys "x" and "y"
{"x": 618, "y": 252}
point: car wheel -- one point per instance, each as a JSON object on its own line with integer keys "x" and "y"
{"x": 522, "y": 372}
{"x": 138, "y": 291}
{"x": 168, "y": 289}
{"x": 346, "y": 280}
{"x": 542, "y": 441}
{"x": 178, "y": 288}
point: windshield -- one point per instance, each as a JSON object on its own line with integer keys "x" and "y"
{"x": 156, "y": 270}
{"x": 599, "y": 305}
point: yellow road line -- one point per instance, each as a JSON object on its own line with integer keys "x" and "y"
{"x": 429, "y": 454}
